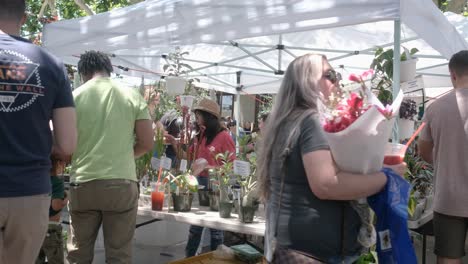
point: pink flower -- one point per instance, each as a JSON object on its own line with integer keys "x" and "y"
{"x": 367, "y": 73}
{"x": 354, "y": 78}
{"x": 387, "y": 112}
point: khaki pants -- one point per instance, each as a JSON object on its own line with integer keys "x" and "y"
{"x": 112, "y": 203}
{"x": 23, "y": 226}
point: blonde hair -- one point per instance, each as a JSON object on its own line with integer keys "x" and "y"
{"x": 296, "y": 99}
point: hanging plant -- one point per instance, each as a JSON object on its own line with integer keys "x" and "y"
{"x": 408, "y": 109}
{"x": 383, "y": 69}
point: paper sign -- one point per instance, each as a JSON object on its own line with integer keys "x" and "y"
{"x": 166, "y": 163}
{"x": 155, "y": 163}
{"x": 241, "y": 168}
{"x": 183, "y": 165}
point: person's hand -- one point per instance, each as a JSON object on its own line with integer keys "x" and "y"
{"x": 58, "y": 204}
{"x": 170, "y": 139}
{"x": 198, "y": 166}
{"x": 400, "y": 169}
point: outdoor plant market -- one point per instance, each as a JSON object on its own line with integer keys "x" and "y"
{"x": 200, "y": 131}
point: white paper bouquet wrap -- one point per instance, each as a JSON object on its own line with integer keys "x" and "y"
{"x": 360, "y": 148}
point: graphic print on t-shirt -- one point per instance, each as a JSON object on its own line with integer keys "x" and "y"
{"x": 20, "y": 83}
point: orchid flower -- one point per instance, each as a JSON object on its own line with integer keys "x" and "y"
{"x": 387, "y": 112}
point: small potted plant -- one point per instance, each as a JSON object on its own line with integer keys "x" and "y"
{"x": 420, "y": 175}
{"x": 408, "y": 110}
{"x": 248, "y": 200}
{"x": 182, "y": 188}
{"x": 383, "y": 68}
{"x": 224, "y": 172}
{"x": 175, "y": 69}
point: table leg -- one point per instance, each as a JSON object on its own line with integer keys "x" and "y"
{"x": 424, "y": 250}
{"x": 147, "y": 222}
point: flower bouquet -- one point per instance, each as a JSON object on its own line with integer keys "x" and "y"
{"x": 355, "y": 121}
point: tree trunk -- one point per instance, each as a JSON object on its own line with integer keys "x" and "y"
{"x": 456, "y": 6}
{"x": 85, "y": 7}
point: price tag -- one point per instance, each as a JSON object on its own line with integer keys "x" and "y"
{"x": 183, "y": 165}
{"x": 166, "y": 163}
{"x": 241, "y": 168}
{"x": 155, "y": 163}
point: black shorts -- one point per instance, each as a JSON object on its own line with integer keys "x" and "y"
{"x": 450, "y": 235}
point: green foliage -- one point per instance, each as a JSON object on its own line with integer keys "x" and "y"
{"x": 224, "y": 171}
{"x": 368, "y": 258}
{"x": 176, "y": 67}
{"x": 383, "y": 68}
{"x": 166, "y": 102}
{"x": 243, "y": 146}
{"x": 420, "y": 175}
{"x": 185, "y": 182}
{"x": 66, "y": 9}
{"x": 249, "y": 191}
{"x": 267, "y": 105}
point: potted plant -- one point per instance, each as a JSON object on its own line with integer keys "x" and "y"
{"x": 383, "y": 68}
{"x": 176, "y": 84}
{"x": 248, "y": 200}
{"x": 182, "y": 188}
{"x": 420, "y": 175}
{"x": 408, "y": 110}
{"x": 223, "y": 173}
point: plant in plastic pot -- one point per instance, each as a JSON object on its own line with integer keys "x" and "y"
{"x": 182, "y": 188}
{"x": 248, "y": 198}
{"x": 408, "y": 111}
{"x": 176, "y": 69}
{"x": 224, "y": 172}
{"x": 420, "y": 175}
{"x": 383, "y": 67}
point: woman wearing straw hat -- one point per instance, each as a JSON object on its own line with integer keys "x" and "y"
{"x": 213, "y": 139}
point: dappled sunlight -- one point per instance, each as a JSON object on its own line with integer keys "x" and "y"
{"x": 141, "y": 33}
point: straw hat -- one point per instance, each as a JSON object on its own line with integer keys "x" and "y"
{"x": 209, "y": 106}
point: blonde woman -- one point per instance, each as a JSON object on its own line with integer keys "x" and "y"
{"x": 309, "y": 219}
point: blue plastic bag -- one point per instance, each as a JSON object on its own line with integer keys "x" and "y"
{"x": 391, "y": 208}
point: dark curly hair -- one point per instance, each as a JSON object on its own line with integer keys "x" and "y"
{"x": 12, "y": 9}
{"x": 94, "y": 61}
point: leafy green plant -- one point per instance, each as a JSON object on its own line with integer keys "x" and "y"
{"x": 383, "y": 68}
{"x": 224, "y": 171}
{"x": 185, "y": 182}
{"x": 420, "y": 175}
{"x": 243, "y": 146}
{"x": 249, "y": 185}
{"x": 267, "y": 105}
{"x": 368, "y": 258}
{"x": 176, "y": 67}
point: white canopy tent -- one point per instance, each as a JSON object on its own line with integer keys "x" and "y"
{"x": 259, "y": 38}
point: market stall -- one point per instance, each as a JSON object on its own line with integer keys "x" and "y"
{"x": 244, "y": 47}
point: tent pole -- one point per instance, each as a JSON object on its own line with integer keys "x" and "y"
{"x": 396, "y": 71}
{"x": 237, "y": 111}
{"x": 280, "y": 43}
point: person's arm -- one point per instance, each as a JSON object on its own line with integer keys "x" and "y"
{"x": 65, "y": 132}
{"x": 425, "y": 141}
{"x": 144, "y": 137}
{"x": 425, "y": 150}
{"x": 329, "y": 184}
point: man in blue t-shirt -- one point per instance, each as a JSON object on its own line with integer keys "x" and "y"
{"x": 34, "y": 89}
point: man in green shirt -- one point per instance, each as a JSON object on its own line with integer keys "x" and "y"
{"x": 114, "y": 128}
